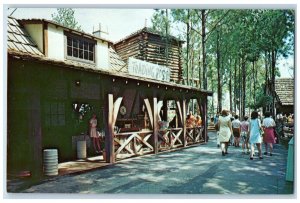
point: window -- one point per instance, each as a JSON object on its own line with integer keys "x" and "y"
{"x": 161, "y": 50}
{"x": 55, "y": 114}
{"x": 80, "y": 48}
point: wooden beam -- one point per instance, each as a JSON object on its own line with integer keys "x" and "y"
{"x": 179, "y": 112}
{"x": 149, "y": 110}
{"x": 109, "y": 141}
{"x": 116, "y": 108}
{"x": 155, "y": 125}
{"x": 159, "y": 106}
{"x": 165, "y": 110}
{"x": 184, "y": 122}
{"x": 204, "y": 108}
{"x": 45, "y": 39}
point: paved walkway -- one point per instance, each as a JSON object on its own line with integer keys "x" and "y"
{"x": 194, "y": 170}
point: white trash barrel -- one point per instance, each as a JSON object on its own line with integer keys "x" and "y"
{"x": 50, "y": 157}
{"x": 81, "y": 149}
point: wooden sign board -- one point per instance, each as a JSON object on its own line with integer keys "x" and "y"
{"x": 148, "y": 70}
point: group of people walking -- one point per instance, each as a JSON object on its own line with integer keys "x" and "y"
{"x": 252, "y": 132}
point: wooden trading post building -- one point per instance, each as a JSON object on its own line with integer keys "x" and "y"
{"x": 59, "y": 77}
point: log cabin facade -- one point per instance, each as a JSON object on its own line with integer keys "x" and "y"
{"x": 148, "y": 45}
{"x": 59, "y": 77}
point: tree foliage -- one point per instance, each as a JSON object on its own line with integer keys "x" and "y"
{"x": 240, "y": 48}
{"x": 66, "y": 17}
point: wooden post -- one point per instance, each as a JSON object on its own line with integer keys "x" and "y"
{"x": 184, "y": 121}
{"x": 179, "y": 112}
{"x": 155, "y": 125}
{"x": 165, "y": 110}
{"x": 113, "y": 109}
{"x": 149, "y": 110}
{"x": 109, "y": 140}
{"x": 204, "y": 121}
{"x": 159, "y": 108}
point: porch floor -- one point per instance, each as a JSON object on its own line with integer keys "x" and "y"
{"x": 81, "y": 165}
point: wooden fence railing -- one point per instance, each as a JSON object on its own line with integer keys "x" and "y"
{"x": 133, "y": 143}
{"x": 139, "y": 143}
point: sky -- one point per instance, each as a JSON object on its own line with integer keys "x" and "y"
{"x": 118, "y": 22}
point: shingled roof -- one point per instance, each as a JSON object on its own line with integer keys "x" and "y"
{"x": 116, "y": 63}
{"x": 19, "y": 40}
{"x": 284, "y": 88}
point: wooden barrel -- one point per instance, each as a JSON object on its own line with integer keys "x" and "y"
{"x": 50, "y": 162}
{"x": 81, "y": 149}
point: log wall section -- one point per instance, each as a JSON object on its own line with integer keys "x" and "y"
{"x": 145, "y": 46}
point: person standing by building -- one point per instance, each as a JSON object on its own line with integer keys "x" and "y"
{"x": 268, "y": 125}
{"x": 190, "y": 120}
{"x": 198, "y": 121}
{"x": 255, "y": 134}
{"x": 236, "y": 128}
{"x": 245, "y": 134}
{"x": 94, "y": 134}
{"x": 225, "y": 131}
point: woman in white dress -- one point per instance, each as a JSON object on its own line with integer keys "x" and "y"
{"x": 225, "y": 131}
{"x": 255, "y": 134}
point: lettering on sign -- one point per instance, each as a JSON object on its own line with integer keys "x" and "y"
{"x": 148, "y": 70}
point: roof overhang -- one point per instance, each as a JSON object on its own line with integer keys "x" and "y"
{"x": 89, "y": 68}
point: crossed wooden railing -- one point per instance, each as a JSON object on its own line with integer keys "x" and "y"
{"x": 138, "y": 143}
{"x": 194, "y": 135}
{"x": 132, "y": 143}
{"x": 173, "y": 137}
{"x": 170, "y": 138}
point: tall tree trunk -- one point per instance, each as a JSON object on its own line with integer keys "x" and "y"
{"x": 199, "y": 70}
{"x": 230, "y": 87}
{"x": 240, "y": 85}
{"x": 244, "y": 87}
{"x": 254, "y": 81}
{"x": 219, "y": 73}
{"x": 203, "y": 50}
{"x": 167, "y": 38}
{"x": 235, "y": 86}
{"x": 192, "y": 65}
{"x": 266, "y": 73}
{"x": 192, "y": 57}
{"x": 213, "y": 90}
{"x": 274, "y": 53}
{"x": 187, "y": 46}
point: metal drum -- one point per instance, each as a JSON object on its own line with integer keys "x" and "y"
{"x": 81, "y": 149}
{"x": 50, "y": 162}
